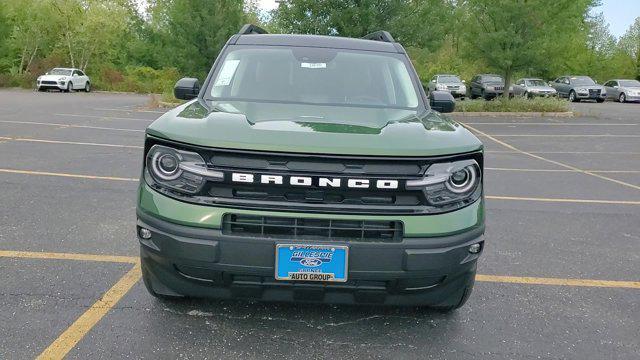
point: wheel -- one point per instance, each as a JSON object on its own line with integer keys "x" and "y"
{"x": 622, "y": 98}
{"x": 87, "y": 87}
{"x": 460, "y": 298}
{"x": 572, "y": 96}
{"x": 483, "y": 95}
{"x": 526, "y": 95}
{"x": 599, "y": 100}
{"x": 42, "y": 89}
{"x": 69, "y": 87}
{"x": 473, "y": 97}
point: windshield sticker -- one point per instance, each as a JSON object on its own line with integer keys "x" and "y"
{"x": 313, "y": 65}
{"x": 226, "y": 73}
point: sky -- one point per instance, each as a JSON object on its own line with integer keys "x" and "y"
{"x": 620, "y": 14}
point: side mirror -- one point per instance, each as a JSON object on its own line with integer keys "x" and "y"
{"x": 442, "y": 101}
{"x": 186, "y": 89}
{"x": 464, "y": 81}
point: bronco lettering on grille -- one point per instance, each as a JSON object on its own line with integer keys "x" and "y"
{"x": 307, "y": 181}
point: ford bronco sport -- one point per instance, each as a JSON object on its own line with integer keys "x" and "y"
{"x": 312, "y": 169}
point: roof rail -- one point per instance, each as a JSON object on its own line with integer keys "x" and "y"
{"x": 248, "y": 29}
{"x": 380, "y": 36}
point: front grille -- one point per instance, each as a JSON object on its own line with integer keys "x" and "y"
{"x": 452, "y": 87}
{"x": 311, "y": 229}
{"x": 46, "y": 82}
{"x": 312, "y": 197}
{"x": 594, "y": 92}
{"x": 499, "y": 88}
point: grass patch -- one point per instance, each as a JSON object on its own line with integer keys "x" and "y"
{"x": 513, "y": 105}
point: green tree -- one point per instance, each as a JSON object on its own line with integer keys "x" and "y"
{"x": 518, "y": 35}
{"x": 630, "y": 44}
{"x": 352, "y": 18}
{"x": 190, "y": 33}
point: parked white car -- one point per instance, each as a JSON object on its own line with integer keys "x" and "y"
{"x": 64, "y": 79}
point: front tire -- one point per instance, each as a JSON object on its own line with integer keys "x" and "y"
{"x": 573, "y": 97}
{"x": 599, "y": 101}
{"x": 87, "y": 87}
{"x": 622, "y": 98}
{"x": 69, "y": 87}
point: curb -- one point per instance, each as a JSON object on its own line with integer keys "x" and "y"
{"x": 514, "y": 114}
{"x": 167, "y": 105}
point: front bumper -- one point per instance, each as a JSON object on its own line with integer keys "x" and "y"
{"x": 587, "y": 96}
{"x": 60, "y": 85}
{"x": 180, "y": 260}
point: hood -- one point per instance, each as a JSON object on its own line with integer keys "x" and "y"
{"x": 314, "y": 129}
{"x": 591, "y": 87}
{"x": 541, "y": 88}
{"x": 454, "y": 84}
{"x": 53, "y": 77}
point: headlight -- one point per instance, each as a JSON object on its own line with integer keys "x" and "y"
{"x": 179, "y": 170}
{"x": 491, "y": 87}
{"x": 450, "y": 183}
{"x": 582, "y": 89}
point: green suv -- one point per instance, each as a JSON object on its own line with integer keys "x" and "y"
{"x": 311, "y": 169}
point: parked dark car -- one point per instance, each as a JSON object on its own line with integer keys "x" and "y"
{"x": 487, "y": 86}
{"x": 576, "y": 88}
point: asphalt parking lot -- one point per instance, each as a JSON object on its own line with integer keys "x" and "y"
{"x": 560, "y": 277}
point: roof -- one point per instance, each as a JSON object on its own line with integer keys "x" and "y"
{"x": 322, "y": 41}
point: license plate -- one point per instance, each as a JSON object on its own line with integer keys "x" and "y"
{"x": 301, "y": 262}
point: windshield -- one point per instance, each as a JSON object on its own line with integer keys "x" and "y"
{"x": 316, "y": 76}
{"x": 492, "y": 79}
{"x": 629, "y": 83}
{"x": 584, "y": 80}
{"x": 63, "y": 72}
{"x": 448, "y": 79}
{"x": 536, "y": 82}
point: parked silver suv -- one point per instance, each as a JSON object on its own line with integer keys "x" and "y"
{"x": 450, "y": 83}
{"x": 577, "y": 88}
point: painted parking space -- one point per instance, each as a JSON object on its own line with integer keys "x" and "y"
{"x": 546, "y": 271}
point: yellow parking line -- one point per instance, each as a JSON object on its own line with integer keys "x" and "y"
{"x": 565, "y": 170}
{"x": 71, "y": 143}
{"x": 72, "y": 335}
{"x": 68, "y": 256}
{"x": 580, "y": 201}
{"x": 104, "y": 117}
{"x": 558, "y": 281}
{"x": 509, "y": 146}
{"x": 79, "y": 176}
{"x": 550, "y": 124}
{"x": 569, "y": 135}
{"x": 67, "y": 125}
{"x": 566, "y": 152}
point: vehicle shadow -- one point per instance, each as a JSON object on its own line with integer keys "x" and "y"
{"x": 373, "y": 330}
